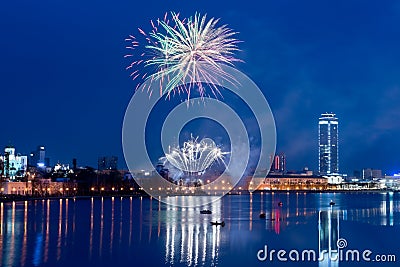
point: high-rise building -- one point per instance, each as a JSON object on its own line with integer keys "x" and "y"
{"x": 38, "y": 158}
{"x": 74, "y": 164}
{"x": 278, "y": 163}
{"x": 14, "y": 165}
{"x": 328, "y": 144}
{"x": 107, "y": 163}
{"x": 369, "y": 173}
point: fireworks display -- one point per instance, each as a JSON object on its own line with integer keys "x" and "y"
{"x": 194, "y": 156}
{"x": 178, "y": 53}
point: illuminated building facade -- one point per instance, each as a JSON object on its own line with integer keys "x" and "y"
{"x": 328, "y": 144}
{"x": 16, "y": 188}
{"x": 278, "y": 163}
{"x": 38, "y": 158}
{"x": 14, "y": 165}
{"x": 294, "y": 182}
{"x": 328, "y": 236}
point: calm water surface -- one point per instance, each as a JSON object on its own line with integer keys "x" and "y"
{"x": 131, "y": 231}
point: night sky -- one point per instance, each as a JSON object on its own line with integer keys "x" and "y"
{"x": 63, "y": 82}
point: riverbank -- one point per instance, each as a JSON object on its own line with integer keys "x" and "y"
{"x": 14, "y": 198}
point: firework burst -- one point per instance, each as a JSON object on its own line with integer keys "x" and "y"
{"x": 180, "y": 53}
{"x": 195, "y": 156}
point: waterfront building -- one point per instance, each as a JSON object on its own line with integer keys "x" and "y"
{"x": 60, "y": 187}
{"x": 328, "y": 144}
{"x": 294, "y": 182}
{"x": 16, "y": 188}
{"x": 391, "y": 182}
{"x": 334, "y": 179}
{"x": 14, "y": 165}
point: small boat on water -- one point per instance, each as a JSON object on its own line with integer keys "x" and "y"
{"x": 218, "y": 223}
{"x": 205, "y": 212}
{"x": 332, "y": 203}
{"x": 263, "y": 215}
{"x": 280, "y": 204}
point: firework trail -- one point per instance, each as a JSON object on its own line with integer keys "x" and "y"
{"x": 183, "y": 51}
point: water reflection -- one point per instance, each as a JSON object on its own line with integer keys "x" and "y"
{"x": 25, "y": 234}
{"x": 59, "y": 229}
{"x": 101, "y": 227}
{"x": 391, "y": 218}
{"x": 66, "y": 219}
{"x": 91, "y": 228}
{"x": 130, "y": 220}
{"x": 1, "y": 229}
{"x": 119, "y": 229}
{"x": 38, "y": 250}
{"x": 328, "y": 236}
{"x": 46, "y": 240}
{"x": 385, "y": 214}
{"x": 112, "y": 224}
{"x": 284, "y": 209}
{"x": 190, "y": 238}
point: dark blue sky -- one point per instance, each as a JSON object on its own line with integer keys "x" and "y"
{"x": 63, "y": 82}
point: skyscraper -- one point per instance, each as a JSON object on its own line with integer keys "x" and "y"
{"x": 328, "y": 144}
{"x": 14, "y": 165}
{"x": 38, "y": 158}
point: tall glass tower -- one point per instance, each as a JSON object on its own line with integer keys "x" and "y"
{"x": 328, "y": 144}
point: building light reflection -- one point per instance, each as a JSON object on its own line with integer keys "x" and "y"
{"x": 186, "y": 236}
{"x": 60, "y": 213}
{"x": 91, "y": 227}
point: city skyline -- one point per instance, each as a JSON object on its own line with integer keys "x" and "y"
{"x": 328, "y": 154}
{"x": 67, "y": 87}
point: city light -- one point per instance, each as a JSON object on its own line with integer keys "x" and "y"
{"x": 194, "y": 159}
